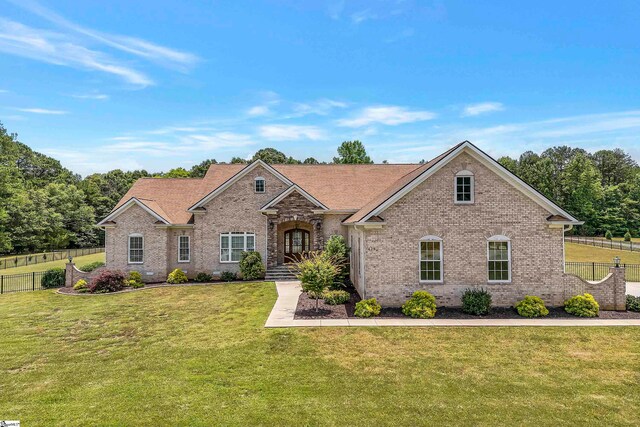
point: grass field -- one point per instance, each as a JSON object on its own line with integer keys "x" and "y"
{"x": 199, "y": 356}
{"x": 79, "y": 261}
{"x": 575, "y": 252}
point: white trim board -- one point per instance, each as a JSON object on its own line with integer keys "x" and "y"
{"x": 235, "y": 178}
{"x": 485, "y": 159}
{"x": 127, "y": 205}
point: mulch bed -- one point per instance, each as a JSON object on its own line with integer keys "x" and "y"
{"x": 306, "y": 310}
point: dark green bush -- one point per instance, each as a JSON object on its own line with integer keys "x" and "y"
{"x": 336, "y": 297}
{"x": 367, "y": 308}
{"x": 53, "y": 278}
{"x": 531, "y": 306}
{"x": 228, "y": 276}
{"x": 476, "y": 302}
{"x": 627, "y": 236}
{"x": 421, "y": 305}
{"x": 251, "y": 265}
{"x": 108, "y": 281}
{"x": 203, "y": 277}
{"x": 92, "y": 266}
{"x": 633, "y": 303}
{"x": 582, "y": 306}
{"x": 608, "y": 235}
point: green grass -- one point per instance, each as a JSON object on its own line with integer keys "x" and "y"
{"x": 79, "y": 261}
{"x": 575, "y": 252}
{"x": 200, "y": 356}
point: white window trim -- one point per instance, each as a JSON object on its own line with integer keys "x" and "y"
{"x": 430, "y": 239}
{"x": 129, "y": 248}
{"x": 264, "y": 184}
{"x": 461, "y": 174}
{"x": 499, "y": 238}
{"x": 229, "y": 234}
{"x": 181, "y": 261}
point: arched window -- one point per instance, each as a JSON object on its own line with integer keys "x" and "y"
{"x": 430, "y": 255}
{"x": 499, "y": 259}
{"x": 136, "y": 248}
{"x": 259, "y": 185}
{"x": 464, "y": 187}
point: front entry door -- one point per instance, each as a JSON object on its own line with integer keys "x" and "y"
{"x": 296, "y": 242}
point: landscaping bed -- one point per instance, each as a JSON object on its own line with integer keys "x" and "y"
{"x": 305, "y": 310}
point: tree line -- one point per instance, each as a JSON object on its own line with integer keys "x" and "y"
{"x": 44, "y": 206}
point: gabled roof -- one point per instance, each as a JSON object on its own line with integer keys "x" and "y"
{"x": 226, "y": 184}
{"x": 290, "y": 190}
{"x": 149, "y": 206}
{"x": 408, "y": 182}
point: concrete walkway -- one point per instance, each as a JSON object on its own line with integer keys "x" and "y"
{"x": 282, "y": 316}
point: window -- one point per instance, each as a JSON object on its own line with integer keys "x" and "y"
{"x": 259, "y": 185}
{"x": 464, "y": 187}
{"x": 233, "y": 244}
{"x": 136, "y": 249}
{"x": 431, "y": 259}
{"x": 184, "y": 249}
{"x": 499, "y": 259}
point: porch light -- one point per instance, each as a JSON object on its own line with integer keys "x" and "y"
{"x": 616, "y": 261}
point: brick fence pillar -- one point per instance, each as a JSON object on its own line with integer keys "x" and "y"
{"x": 68, "y": 274}
{"x": 619, "y": 288}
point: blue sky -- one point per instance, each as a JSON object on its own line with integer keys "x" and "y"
{"x": 158, "y": 84}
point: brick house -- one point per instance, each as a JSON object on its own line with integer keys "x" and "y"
{"x": 461, "y": 220}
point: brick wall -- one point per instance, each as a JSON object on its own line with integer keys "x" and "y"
{"x": 392, "y": 258}
{"x": 136, "y": 220}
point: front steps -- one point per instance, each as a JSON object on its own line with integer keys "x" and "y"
{"x": 280, "y": 273}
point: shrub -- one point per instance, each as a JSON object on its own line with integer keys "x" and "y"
{"x": 108, "y": 281}
{"x": 135, "y": 284}
{"x": 53, "y": 278}
{"x": 531, "y": 306}
{"x": 336, "y": 249}
{"x": 251, "y": 266}
{"x": 627, "y": 236}
{"x": 633, "y": 303}
{"x": 92, "y": 266}
{"x": 228, "y": 276}
{"x": 582, "y": 306}
{"x": 421, "y": 305}
{"x": 316, "y": 273}
{"x": 367, "y": 308}
{"x": 81, "y": 286}
{"x": 336, "y": 297}
{"x": 203, "y": 277}
{"x": 135, "y": 276}
{"x": 476, "y": 301}
{"x": 608, "y": 235}
{"x": 177, "y": 276}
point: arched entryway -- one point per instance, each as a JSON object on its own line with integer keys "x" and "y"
{"x": 297, "y": 241}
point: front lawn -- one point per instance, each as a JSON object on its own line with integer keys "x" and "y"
{"x": 200, "y": 356}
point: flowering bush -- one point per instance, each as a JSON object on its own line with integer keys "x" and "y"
{"x": 108, "y": 281}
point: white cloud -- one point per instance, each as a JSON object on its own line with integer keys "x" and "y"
{"x": 258, "y": 110}
{"x": 135, "y": 46}
{"x": 290, "y": 132}
{"x": 387, "y": 115}
{"x": 362, "y": 15}
{"x": 96, "y": 96}
{"x": 482, "y": 108}
{"x": 321, "y": 107}
{"x": 56, "y": 48}
{"x": 42, "y": 111}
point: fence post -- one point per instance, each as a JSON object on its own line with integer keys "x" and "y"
{"x": 593, "y": 271}
{"x": 33, "y": 281}
{"x": 1, "y": 285}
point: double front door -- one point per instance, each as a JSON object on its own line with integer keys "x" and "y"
{"x": 296, "y": 242}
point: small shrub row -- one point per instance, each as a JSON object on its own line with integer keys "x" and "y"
{"x": 87, "y": 268}
{"x": 336, "y": 297}
{"x": 367, "y": 308}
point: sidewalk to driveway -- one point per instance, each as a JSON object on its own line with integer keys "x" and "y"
{"x": 282, "y": 316}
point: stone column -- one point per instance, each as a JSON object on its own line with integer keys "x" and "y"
{"x": 619, "y": 288}
{"x": 68, "y": 274}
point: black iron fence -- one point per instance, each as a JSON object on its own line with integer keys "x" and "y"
{"x": 601, "y": 242}
{"x": 32, "y": 259}
{"x": 21, "y": 282}
{"x": 598, "y": 270}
